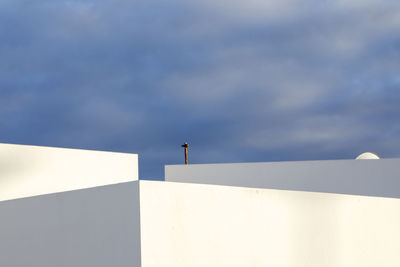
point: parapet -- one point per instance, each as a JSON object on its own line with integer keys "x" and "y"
{"x": 32, "y": 170}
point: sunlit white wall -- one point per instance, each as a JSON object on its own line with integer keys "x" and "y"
{"x": 208, "y": 225}
{"x": 32, "y": 170}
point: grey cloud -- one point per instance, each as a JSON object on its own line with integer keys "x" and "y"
{"x": 264, "y": 80}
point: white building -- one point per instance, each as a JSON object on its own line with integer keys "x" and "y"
{"x": 66, "y": 207}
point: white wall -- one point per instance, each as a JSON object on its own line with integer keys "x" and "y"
{"x": 190, "y": 225}
{"x": 359, "y": 177}
{"x": 96, "y": 227}
{"x": 32, "y": 170}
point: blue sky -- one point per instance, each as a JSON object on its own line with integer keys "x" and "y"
{"x": 240, "y": 81}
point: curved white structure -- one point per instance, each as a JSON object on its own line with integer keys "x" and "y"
{"x": 368, "y": 155}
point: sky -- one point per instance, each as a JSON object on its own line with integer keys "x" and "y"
{"x": 240, "y": 81}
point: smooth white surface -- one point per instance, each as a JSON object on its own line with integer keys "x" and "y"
{"x": 358, "y": 177}
{"x": 32, "y": 170}
{"x": 368, "y": 155}
{"x": 96, "y": 227}
{"x": 190, "y": 225}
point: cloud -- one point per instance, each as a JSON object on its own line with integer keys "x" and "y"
{"x": 240, "y": 81}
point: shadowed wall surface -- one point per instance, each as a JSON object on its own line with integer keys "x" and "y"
{"x": 96, "y": 227}
{"x": 357, "y": 177}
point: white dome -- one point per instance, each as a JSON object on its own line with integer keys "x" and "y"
{"x": 368, "y": 155}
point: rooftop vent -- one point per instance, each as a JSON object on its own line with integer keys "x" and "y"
{"x": 368, "y": 155}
